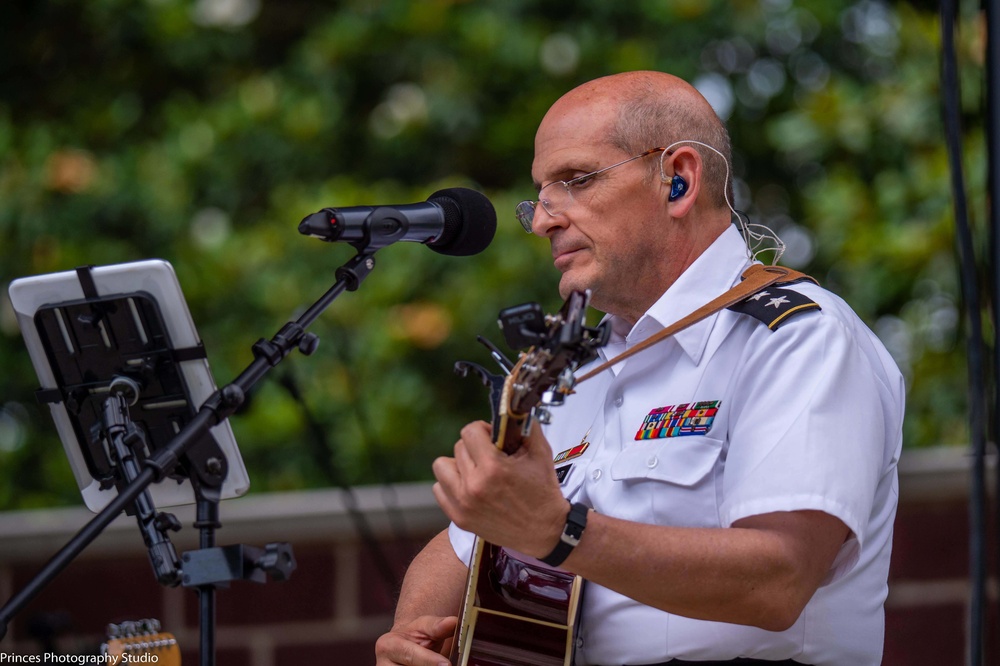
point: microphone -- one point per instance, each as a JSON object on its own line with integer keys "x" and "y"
{"x": 455, "y": 221}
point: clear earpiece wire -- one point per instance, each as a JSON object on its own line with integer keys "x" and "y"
{"x": 759, "y": 238}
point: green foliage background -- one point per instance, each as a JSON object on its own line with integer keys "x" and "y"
{"x": 202, "y": 131}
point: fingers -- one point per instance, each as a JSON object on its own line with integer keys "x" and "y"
{"x": 476, "y": 442}
{"x": 418, "y": 643}
{"x": 464, "y": 460}
{"x": 455, "y": 475}
{"x": 485, "y": 491}
{"x": 448, "y": 484}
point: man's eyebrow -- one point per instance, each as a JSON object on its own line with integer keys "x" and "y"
{"x": 563, "y": 173}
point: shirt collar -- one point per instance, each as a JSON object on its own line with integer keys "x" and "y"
{"x": 714, "y": 272}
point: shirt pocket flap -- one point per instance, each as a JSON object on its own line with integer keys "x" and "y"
{"x": 683, "y": 461}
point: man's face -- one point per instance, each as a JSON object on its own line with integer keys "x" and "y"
{"x": 606, "y": 240}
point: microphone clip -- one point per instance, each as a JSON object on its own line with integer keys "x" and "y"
{"x": 357, "y": 269}
{"x": 382, "y": 228}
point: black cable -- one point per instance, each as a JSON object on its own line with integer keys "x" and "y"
{"x": 380, "y": 461}
{"x": 993, "y": 188}
{"x": 322, "y": 454}
{"x": 976, "y": 347}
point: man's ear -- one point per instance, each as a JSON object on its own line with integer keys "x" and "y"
{"x": 680, "y": 175}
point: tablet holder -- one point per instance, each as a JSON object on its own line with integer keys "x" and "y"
{"x": 109, "y": 374}
{"x": 90, "y": 343}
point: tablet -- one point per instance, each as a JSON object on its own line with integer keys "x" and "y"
{"x": 85, "y": 327}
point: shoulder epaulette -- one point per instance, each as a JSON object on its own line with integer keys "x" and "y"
{"x": 775, "y": 305}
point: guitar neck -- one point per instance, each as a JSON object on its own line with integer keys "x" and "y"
{"x": 509, "y": 431}
{"x": 510, "y": 438}
{"x": 517, "y": 610}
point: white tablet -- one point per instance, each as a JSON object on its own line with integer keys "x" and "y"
{"x": 84, "y": 327}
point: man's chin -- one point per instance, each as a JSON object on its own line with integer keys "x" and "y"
{"x": 570, "y": 283}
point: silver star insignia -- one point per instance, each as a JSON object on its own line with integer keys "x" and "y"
{"x": 778, "y": 302}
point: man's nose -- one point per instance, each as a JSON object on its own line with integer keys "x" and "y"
{"x": 542, "y": 224}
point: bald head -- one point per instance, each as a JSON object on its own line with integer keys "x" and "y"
{"x": 649, "y": 109}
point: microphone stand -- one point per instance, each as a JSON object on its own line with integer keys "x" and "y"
{"x": 217, "y": 408}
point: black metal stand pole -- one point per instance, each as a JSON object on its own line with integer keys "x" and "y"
{"x": 207, "y": 523}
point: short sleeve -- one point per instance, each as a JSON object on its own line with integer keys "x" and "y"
{"x": 463, "y": 542}
{"x": 808, "y": 429}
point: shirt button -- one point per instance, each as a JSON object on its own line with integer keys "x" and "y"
{"x": 619, "y": 400}
{"x": 652, "y": 462}
{"x": 579, "y": 642}
{"x": 596, "y": 474}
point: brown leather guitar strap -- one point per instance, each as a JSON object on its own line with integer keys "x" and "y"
{"x": 755, "y": 278}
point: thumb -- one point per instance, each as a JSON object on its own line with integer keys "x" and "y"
{"x": 443, "y": 628}
{"x": 537, "y": 444}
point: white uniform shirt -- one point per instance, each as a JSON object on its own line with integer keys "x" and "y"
{"x": 808, "y": 417}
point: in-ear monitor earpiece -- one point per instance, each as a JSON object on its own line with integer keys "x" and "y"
{"x": 678, "y": 187}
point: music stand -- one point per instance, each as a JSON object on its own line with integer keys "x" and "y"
{"x": 84, "y": 328}
{"x": 129, "y": 387}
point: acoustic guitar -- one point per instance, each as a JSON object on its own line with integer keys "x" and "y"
{"x": 518, "y": 611}
{"x": 141, "y": 642}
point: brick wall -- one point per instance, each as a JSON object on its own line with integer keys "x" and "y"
{"x": 338, "y": 601}
{"x": 331, "y": 610}
{"x": 927, "y": 612}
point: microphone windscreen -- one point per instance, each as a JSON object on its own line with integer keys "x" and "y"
{"x": 470, "y": 222}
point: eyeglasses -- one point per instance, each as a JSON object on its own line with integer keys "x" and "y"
{"x": 557, "y": 196}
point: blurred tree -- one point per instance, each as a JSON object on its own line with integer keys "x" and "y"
{"x": 202, "y": 131}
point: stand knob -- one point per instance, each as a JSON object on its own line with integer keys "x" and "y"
{"x": 277, "y": 560}
{"x": 167, "y": 522}
{"x": 308, "y": 343}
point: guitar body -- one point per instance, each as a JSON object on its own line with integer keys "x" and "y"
{"x": 517, "y": 611}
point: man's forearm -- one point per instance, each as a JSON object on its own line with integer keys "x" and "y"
{"x": 434, "y": 582}
{"x": 761, "y": 572}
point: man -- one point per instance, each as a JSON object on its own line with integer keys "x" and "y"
{"x": 764, "y": 536}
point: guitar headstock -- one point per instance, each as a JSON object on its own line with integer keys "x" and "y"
{"x": 556, "y": 344}
{"x": 554, "y": 347}
{"x": 140, "y": 638}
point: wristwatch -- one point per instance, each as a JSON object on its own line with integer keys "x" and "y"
{"x": 570, "y": 537}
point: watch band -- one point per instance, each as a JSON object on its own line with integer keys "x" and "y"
{"x": 570, "y": 537}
